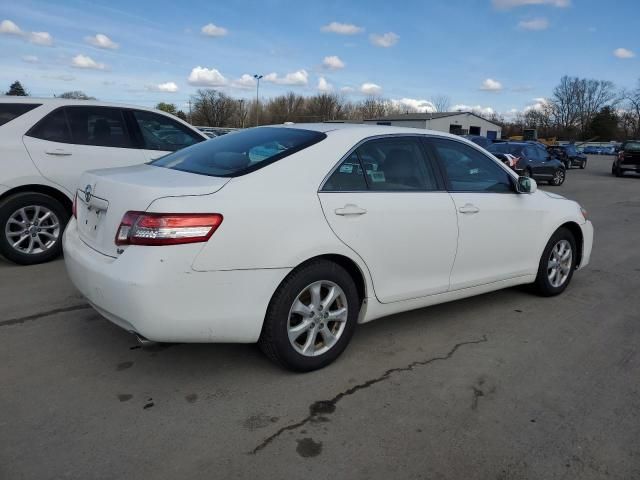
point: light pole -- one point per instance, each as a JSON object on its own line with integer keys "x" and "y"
{"x": 257, "y": 77}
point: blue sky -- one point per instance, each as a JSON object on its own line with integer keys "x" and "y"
{"x": 497, "y": 54}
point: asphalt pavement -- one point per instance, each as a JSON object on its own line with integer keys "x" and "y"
{"x": 500, "y": 386}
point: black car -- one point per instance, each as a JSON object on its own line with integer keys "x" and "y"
{"x": 531, "y": 160}
{"x": 484, "y": 142}
{"x": 568, "y": 155}
{"x": 628, "y": 159}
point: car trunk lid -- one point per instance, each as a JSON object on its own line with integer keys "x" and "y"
{"x": 104, "y": 196}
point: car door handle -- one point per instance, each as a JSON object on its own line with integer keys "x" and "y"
{"x": 468, "y": 208}
{"x": 350, "y": 209}
{"x": 58, "y": 152}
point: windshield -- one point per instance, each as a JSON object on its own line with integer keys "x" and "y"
{"x": 240, "y": 153}
{"x": 632, "y": 147}
{"x": 511, "y": 148}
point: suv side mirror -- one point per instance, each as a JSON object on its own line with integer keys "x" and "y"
{"x": 526, "y": 185}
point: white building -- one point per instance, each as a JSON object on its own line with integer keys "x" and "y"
{"x": 460, "y": 123}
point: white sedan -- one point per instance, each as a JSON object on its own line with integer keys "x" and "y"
{"x": 290, "y": 236}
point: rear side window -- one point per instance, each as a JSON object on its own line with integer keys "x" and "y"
{"x": 240, "y": 153}
{"x": 632, "y": 147}
{"x": 99, "y": 126}
{"x": 161, "y": 133}
{"x": 9, "y": 111}
{"x": 349, "y": 177}
{"x": 53, "y": 127}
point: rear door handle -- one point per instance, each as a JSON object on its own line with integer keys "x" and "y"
{"x": 58, "y": 152}
{"x": 468, "y": 208}
{"x": 350, "y": 209}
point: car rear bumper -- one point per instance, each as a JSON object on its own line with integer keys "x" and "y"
{"x": 587, "y": 243}
{"x": 152, "y": 291}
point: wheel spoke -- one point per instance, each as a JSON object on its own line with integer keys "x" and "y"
{"x": 327, "y": 301}
{"x": 23, "y": 215}
{"x": 339, "y": 315}
{"x": 315, "y": 294}
{"x": 30, "y": 247}
{"x": 328, "y": 337}
{"x": 36, "y": 214}
{"x": 298, "y": 330}
{"x": 44, "y": 217}
{"x": 310, "y": 344}
{"x": 301, "y": 309}
{"x": 48, "y": 234}
{"x": 20, "y": 240}
{"x": 13, "y": 221}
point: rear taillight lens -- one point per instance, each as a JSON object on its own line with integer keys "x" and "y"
{"x": 74, "y": 209}
{"x": 141, "y": 228}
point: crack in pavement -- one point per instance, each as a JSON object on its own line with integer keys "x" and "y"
{"x": 36, "y": 316}
{"x": 317, "y": 409}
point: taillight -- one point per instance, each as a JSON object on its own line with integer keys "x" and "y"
{"x": 74, "y": 209}
{"x": 515, "y": 161}
{"x": 141, "y": 228}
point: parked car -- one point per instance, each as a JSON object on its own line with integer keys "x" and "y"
{"x": 628, "y": 159}
{"x": 343, "y": 224}
{"x": 609, "y": 150}
{"x": 484, "y": 142}
{"x": 45, "y": 144}
{"x": 533, "y": 160}
{"x": 591, "y": 150}
{"x": 568, "y": 155}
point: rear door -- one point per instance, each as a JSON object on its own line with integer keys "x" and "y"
{"x": 159, "y": 135}
{"x": 72, "y": 139}
{"x": 387, "y": 203}
{"x": 498, "y": 228}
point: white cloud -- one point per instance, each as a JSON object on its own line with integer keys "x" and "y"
{"x": 101, "y": 41}
{"x": 506, "y": 4}
{"x": 534, "y": 24}
{"x": 30, "y": 59}
{"x": 347, "y": 90}
{"x": 473, "y": 108}
{"x": 421, "y": 106}
{"x": 211, "y": 30}
{"x": 342, "y": 28}
{"x": 41, "y": 38}
{"x": 491, "y": 85}
{"x": 370, "y": 88}
{"x": 333, "y": 62}
{"x": 206, "y": 77}
{"x": 385, "y": 40}
{"x": 300, "y": 77}
{"x": 83, "y": 61}
{"x": 324, "y": 86}
{"x": 245, "y": 81}
{"x": 168, "y": 87}
{"x": 538, "y": 104}
{"x": 623, "y": 53}
{"x": 7, "y": 27}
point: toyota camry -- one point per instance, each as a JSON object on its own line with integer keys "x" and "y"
{"x": 292, "y": 235}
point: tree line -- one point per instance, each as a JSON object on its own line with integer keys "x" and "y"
{"x": 578, "y": 109}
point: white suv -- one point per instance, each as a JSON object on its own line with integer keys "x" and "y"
{"x": 45, "y": 144}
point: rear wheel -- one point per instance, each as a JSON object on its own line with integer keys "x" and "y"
{"x": 31, "y": 226}
{"x": 558, "y": 177}
{"x": 583, "y": 164}
{"x": 311, "y": 317}
{"x": 557, "y": 264}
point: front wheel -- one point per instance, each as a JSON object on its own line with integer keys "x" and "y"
{"x": 618, "y": 172}
{"x": 311, "y": 317}
{"x": 583, "y": 164}
{"x": 558, "y": 177}
{"x": 557, "y": 264}
{"x": 31, "y": 226}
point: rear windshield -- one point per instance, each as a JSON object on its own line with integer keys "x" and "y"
{"x": 239, "y": 153}
{"x": 9, "y": 111}
{"x": 632, "y": 147}
{"x": 505, "y": 148}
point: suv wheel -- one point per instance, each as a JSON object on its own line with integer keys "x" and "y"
{"x": 618, "y": 172}
{"x": 583, "y": 164}
{"x": 311, "y": 317}
{"x": 558, "y": 177}
{"x": 31, "y": 226}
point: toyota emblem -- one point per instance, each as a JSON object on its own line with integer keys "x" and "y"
{"x": 87, "y": 193}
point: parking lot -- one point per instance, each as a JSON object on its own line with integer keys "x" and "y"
{"x": 505, "y": 385}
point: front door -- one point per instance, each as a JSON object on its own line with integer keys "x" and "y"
{"x": 386, "y": 203}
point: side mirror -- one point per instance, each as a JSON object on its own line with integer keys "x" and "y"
{"x": 526, "y": 185}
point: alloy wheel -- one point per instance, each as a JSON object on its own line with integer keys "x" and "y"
{"x": 317, "y": 318}
{"x": 559, "y": 264}
{"x": 558, "y": 177}
{"x": 32, "y": 229}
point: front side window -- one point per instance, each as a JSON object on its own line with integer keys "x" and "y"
{"x": 162, "y": 133}
{"x": 53, "y": 128}
{"x": 98, "y": 126}
{"x": 468, "y": 170}
{"x": 240, "y": 153}
{"x": 9, "y": 111}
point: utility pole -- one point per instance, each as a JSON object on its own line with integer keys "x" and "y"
{"x": 241, "y": 102}
{"x": 257, "y": 77}
{"x": 190, "y": 117}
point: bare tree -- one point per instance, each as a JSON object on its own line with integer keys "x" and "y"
{"x": 593, "y": 96}
{"x": 212, "y": 108}
{"x": 441, "y": 102}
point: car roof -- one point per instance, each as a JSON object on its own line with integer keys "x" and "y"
{"x": 67, "y": 101}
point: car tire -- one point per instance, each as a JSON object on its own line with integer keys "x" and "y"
{"x": 618, "y": 172}
{"x": 559, "y": 177}
{"x": 298, "y": 328}
{"x": 583, "y": 164}
{"x": 31, "y": 227}
{"x": 555, "y": 271}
